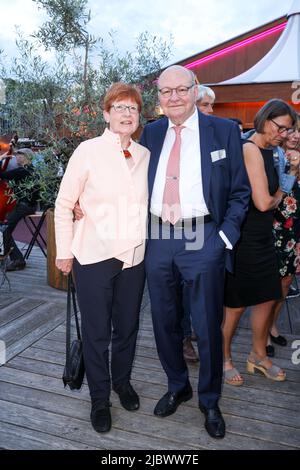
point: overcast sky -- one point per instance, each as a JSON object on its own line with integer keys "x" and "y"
{"x": 195, "y": 24}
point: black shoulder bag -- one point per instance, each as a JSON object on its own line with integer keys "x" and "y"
{"x": 74, "y": 367}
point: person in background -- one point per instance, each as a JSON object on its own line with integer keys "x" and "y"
{"x": 255, "y": 281}
{"x": 205, "y": 100}
{"x": 286, "y": 231}
{"x": 13, "y": 160}
{"x": 26, "y": 204}
{"x": 8, "y": 160}
{"x": 239, "y": 123}
{"x": 189, "y": 353}
{"x": 105, "y": 248}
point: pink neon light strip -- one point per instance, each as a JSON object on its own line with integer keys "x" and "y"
{"x": 245, "y": 42}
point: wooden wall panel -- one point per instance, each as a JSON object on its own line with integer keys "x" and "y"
{"x": 237, "y": 61}
{"x": 233, "y": 63}
{"x": 243, "y": 111}
{"x": 254, "y": 92}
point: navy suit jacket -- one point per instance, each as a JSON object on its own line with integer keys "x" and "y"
{"x": 225, "y": 182}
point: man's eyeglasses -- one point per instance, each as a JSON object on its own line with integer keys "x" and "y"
{"x": 180, "y": 91}
{"x": 283, "y": 129}
{"x": 121, "y": 108}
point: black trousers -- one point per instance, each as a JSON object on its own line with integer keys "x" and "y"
{"x": 21, "y": 210}
{"x": 109, "y": 300}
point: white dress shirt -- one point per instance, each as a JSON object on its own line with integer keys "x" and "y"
{"x": 190, "y": 180}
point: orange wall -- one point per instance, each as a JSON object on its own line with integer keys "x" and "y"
{"x": 243, "y": 111}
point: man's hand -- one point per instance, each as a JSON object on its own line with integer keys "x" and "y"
{"x": 78, "y": 214}
{"x": 64, "y": 265}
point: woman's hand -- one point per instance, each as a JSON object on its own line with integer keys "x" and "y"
{"x": 293, "y": 156}
{"x": 78, "y": 214}
{"x": 64, "y": 265}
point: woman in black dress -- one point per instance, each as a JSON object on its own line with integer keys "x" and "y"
{"x": 255, "y": 281}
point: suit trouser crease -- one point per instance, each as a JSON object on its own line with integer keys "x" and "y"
{"x": 109, "y": 299}
{"x": 167, "y": 264}
{"x": 186, "y": 323}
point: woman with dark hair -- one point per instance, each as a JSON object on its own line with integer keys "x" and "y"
{"x": 105, "y": 248}
{"x": 255, "y": 281}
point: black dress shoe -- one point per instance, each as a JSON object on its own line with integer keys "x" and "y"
{"x": 214, "y": 422}
{"x": 169, "y": 403}
{"x": 189, "y": 353}
{"x": 293, "y": 292}
{"x": 100, "y": 416}
{"x": 270, "y": 350}
{"x": 15, "y": 265}
{"x": 280, "y": 340}
{"x": 128, "y": 397}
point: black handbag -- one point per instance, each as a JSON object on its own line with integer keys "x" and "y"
{"x": 74, "y": 367}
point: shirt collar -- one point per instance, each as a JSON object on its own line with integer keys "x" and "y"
{"x": 114, "y": 138}
{"x": 190, "y": 123}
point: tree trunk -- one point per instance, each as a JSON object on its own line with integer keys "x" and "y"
{"x": 85, "y": 73}
{"x": 54, "y": 277}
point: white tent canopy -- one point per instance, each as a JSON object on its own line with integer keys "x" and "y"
{"x": 282, "y": 62}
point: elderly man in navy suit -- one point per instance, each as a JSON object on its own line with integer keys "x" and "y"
{"x": 199, "y": 195}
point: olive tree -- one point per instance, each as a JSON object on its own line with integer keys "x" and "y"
{"x": 58, "y": 101}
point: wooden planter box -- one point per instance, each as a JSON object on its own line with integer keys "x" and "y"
{"x": 54, "y": 277}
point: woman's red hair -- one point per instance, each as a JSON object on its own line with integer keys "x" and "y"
{"x": 119, "y": 91}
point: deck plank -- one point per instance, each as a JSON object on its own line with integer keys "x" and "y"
{"x": 37, "y": 412}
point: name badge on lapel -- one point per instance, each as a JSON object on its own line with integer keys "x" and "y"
{"x": 218, "y": 155}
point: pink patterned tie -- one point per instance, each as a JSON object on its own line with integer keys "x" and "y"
{"x": 171, "y": 201}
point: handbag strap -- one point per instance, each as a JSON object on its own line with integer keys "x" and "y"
{"x": 75, "y": 308}
{"x": 71, "y": 302}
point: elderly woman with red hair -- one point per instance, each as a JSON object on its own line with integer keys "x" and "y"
{"x": 105, "y": 248}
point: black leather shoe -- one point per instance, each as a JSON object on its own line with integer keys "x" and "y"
{"x": 189, "y": 353}
{"x": 270, "y": 350}
{"x": 214, "y": 422}
{"x": 280, "y": 340}
{"x": 100, "y": 416}
{"x": 169, "y": 403}
{"x": 15, "y": 265}
{"x": 293, "y": 292}
{"x": 128, "y": 397}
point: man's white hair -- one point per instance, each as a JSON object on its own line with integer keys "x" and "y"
{"x": 205, "y": 90}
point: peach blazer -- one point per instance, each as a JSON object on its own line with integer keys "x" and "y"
{"x": 113, "y": 198}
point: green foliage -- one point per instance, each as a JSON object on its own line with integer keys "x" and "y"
{"x": 48, "y": 170}
{"x": 35, "y": 91}
{"x": 58, "y": 101}
{"x": 66, "y": 27}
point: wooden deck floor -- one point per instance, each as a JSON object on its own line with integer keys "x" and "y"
{"x": 36, "y": 412}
